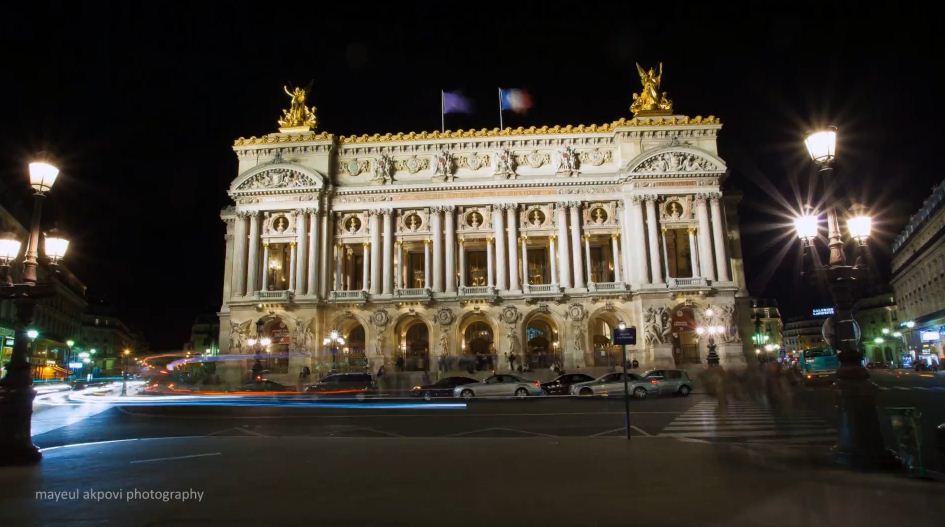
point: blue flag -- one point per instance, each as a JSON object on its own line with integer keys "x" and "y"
{"x": 454, "y": 102}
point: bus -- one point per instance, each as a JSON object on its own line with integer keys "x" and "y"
{"x": 818, "y": 364}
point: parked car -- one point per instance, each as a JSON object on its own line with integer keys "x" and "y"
{"x": 441, "y": 388}
{"x": 344, "y": 384}
{"x": 264, "y": 385}
{"x": 609, "y": 384}
{"x": 666, "y": 382}
{"x": 499, "y": 385}
{"x": 561, "y": 385}
{"x": 877, "y": 365}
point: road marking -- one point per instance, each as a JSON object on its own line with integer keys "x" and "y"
{"x": 621, "y": 429}
{"x": 745, "y": 421}
{"x": 923, "y": 388}
{"x": 461, "y": 434}
{"x": 175, "y": 457}
{"x": 904, "y": 388}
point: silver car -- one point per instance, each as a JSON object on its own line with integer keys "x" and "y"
{"x": 609, "y": 384}
{"x": 654, "y": 382}
{"x": 503, "y": 385}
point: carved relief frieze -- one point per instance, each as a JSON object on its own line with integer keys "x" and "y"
{"x": 412, "y": 164}
{"x": 354, "y": 167}
{"x": 533, "y": 159}
{"x": 536, "y": 217}
{"x": 595, "y": 157}
{"x": 676, "y": 162}
{"x": 473, "y": 161}
{"x": 278, "y": 178}
{"x": 676, "y": 209}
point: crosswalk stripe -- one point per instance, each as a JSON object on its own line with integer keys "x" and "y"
{"x": 749, "y": 422}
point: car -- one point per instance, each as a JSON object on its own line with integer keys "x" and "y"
{"x": 877, "y": 365}
{"x": 561, "y": 385}
{"x": 499, "y": 385}
{"x": 666, "y": 382}
{"x": 609, "y": 384}
{"x": 441, "y": 388}
{"x": 344, "y": 384}
{"x": 263, "y": 385}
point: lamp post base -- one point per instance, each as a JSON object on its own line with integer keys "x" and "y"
{"x": 16, "y": 410}
{"x": 859, "y": 442}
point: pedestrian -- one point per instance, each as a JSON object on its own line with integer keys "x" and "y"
{"x": 380, "y": 371}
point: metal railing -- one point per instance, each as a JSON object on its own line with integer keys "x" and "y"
{"x": 357, "y": 295}
{"x": 697, "y": 281}
{"x": 412, "y": 292}
{"x": 606, "y": 286}
{"x": 274, "y": 296}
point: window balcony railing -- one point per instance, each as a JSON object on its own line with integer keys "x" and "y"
{"x": 357, "y": 295}
{"x": 606, "y": 286}
{"x": 697, "y": 281}
{"x": 274, "y": 296}
{"x": 542, "y": 289}
{"x": 412, "y": 293}
{"x": 480, "y": 291}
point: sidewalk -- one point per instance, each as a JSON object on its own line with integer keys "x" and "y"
{"x": 463, "y": 481}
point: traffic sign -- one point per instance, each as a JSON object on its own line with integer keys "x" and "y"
{"x": 627, "y": 336}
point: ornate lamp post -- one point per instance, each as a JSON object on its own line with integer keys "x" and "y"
{"x": 334, "y": 340}
{"x": 16, "y": 391}
{"x": 712, "y": 357}
{"x": 859, "y": 441}
{"x": 124, "y": 372}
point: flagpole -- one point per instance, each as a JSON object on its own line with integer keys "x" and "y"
{"x": 501, "y": 127}
{"x": 442, "y": 112}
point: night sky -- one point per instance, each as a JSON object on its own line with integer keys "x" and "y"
{"x": 139, "y": 102}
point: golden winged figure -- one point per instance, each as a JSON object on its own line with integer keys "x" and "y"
{"x": 650, "y": 101}
{"x": 298, "y": 115}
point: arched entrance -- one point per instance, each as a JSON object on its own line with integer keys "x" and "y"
{"x": 683, "y": 335}
{"x": 601, "y": 329}
{"x": 478, "y": 347}
{"x": 276, "y": 355}
{"x": 413, "y": 343}
{"x": 342, "y": 348}
{"x": 542, "y": 348}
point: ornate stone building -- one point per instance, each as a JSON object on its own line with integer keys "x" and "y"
{"x": 533, "y": 241}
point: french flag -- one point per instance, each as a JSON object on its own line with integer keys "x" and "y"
{"x": 519, "y": 101}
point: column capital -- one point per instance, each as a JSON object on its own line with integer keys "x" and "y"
{"x": 573, "y": 204}
{"x": 292, "y": 243}
{"x": 692, "y": 229}
{"x": 365, "y": 244}
{"x": 586, "y": 236}
{"x": 373, "y": 212}
{"x": 266, "y": 243}
{"x": 427, "y": 241}
{"x": 615, "y": 235}
{"x": 636, "y": 199}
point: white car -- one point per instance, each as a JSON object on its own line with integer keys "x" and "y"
{"x": 609, "y": 384}
{"x": 503, "y": 385}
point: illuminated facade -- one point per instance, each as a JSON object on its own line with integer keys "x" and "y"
{"x": 420, "y": 247}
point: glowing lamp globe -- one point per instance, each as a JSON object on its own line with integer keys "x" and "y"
{"x": 9, "y": 248}
{"x": 42, "y": 176}
{"x": 32, "y": 334}
{"x": 822, "y": 145}
{"x": 56, "y": 245}
{"x": 806, "y": 226}
{"x": 860, "y": 227}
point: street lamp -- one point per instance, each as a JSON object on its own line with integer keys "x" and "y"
{"x": 16, "y": 392}
{"x": 124, "y": 372}
{"x": 859, "y": 441}
{"x": 712, "y": 357}
{"x": 334, "y": 340}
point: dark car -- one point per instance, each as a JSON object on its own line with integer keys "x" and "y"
{"x": 877, "y": 365}
{"x": 561, "y": 385}
{"x": 264, "y": 385}
{"x": 441, "y": 388}
{"x": 344, "y": 385}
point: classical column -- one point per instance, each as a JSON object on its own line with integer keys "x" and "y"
{"x": 427, "y": 273}
{"x": 301, "y": 239}
{"x": 720, "y": 238}
{"x": 498, "y": 226}
{"x": 450, "y": 253}
{"x": 252, "y": 272}
{"x": 229, "y": 260}
{"x": 293, "y": 264}
{"x": 705, "y": 247}
{"x": 576, "y": 244}
{"x": 653, "y": 244}
{"x": 615, "y": 251}
{"x": 553, "y": 259}
{"x": 326, "y": 245}
{"x": 462, "y": 263}
{"x": 693, "y": 252}
{"x": 564, "y": 258}
{"x": 639, "y": 241}
{"x": 313, "y": 253}
{"x": 587, "y": 257}
{"x": 399, "y": 265}
{"x": 490, "y": 271}
{"x": 388, "y": 252}
{"x": 365, "y": 262}
{"x": 436, "y": 230}
{"x": 375, "y": 251}
{"x": 625, "y": 242}
{"x": 665, "y": 253}
{"x": 239, "y": 255}
{"x": 265, "y": 267}
{"x": 510, "y": 214}
{"x": 525, "y": 282}
{"x": 339, "y": 266}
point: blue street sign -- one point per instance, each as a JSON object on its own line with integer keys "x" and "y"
{"x": 626, "y": 336}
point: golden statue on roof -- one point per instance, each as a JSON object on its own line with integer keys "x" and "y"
{"x": 650, "y": 101}
{"x": 298, "y": 117}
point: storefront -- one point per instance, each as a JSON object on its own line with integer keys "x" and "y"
{"x": 6, "y": 347}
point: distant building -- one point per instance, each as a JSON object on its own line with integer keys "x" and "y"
{"x": 57, "y": 319}
{"x": 204, "y": 334}
{"x": 803, "y": 333}
{"x": 918, "y": 278}
{"x": 761, "y": 327}
{"x": 105, "y": 337}
{"x": 879, "y": 326}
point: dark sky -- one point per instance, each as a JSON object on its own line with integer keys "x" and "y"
{"x": 140, "y": 103}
